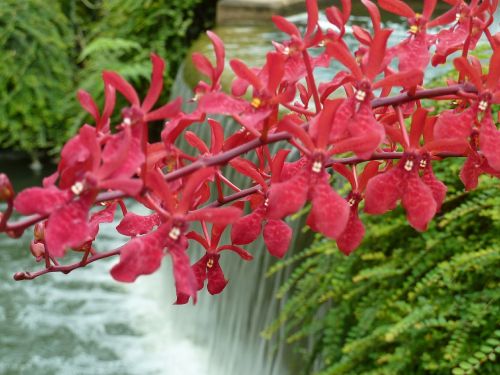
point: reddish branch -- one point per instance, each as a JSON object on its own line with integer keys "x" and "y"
{"x": 67, "y": 268}
{"x": 225, "y": 157}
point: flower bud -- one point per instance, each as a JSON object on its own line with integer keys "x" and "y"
{"x": 6, "y": 189}
{"x": 15, "y": 233}
{"x": 39, "y": 231}
{"x": 18, "y": 276}
{"x": 37, "y": 250}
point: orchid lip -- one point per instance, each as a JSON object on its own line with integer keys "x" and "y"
{"x": 317, "y": 166}
{"x": 408, "y": 165}
{"x": 256, "y": 103}
{"x": 210, "y": 263}
{"x": 414, "y": 29}
{"x": 174, "y": 233}
{"x": 483, "y": 105}
{"x": 77, "y": 188}
{"x": 360, "y": 95}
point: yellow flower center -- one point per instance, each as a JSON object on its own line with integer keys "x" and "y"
{"x": 256, "y": 102}
{"x": 210, "y": 263}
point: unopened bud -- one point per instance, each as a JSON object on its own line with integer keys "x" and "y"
{"x": 37, "y": 250}
{"x": 18, "y": 276}
{"x": 39, "y": 231}
{"x": 15, "y": 233}
{"x": 6, "y": 189}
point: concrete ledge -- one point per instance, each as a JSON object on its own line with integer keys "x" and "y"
{"x": 255, "y": 12}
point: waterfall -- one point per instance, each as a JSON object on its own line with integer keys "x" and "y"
{"x": 229, "y": 325}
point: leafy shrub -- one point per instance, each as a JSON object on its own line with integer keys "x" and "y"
{"x": 403, "y": 303}
{"x": 50, "y": 49}
{"x": 36, "y": 74}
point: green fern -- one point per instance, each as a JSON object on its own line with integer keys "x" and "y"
{"x": 405, "y": 302}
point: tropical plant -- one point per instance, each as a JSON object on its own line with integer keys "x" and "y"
{"x": 50, "y": 49}
{"x": 403, "y": 303}
{"x": 36, "y": 75}
{"x": 383, "y": 146}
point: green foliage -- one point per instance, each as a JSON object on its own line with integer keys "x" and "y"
{"x": 50, "y": 49}
{"x": 36, "y": 74}
{"x": 405, "y": 302}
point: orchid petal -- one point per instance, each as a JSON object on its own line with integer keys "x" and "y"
{"x": 288, "y": 197}
{"x": 140, "y": 256}
{"x": 68, "y": 226}
{"x": 329, "y": 212}
{"x": 88, "y": 104}
{"x": 185, "y": 280}
{"x": 216, "y": 280}
{"x": 397, "y": 7}
{"x": 383, "y": 192}
{"x": 40, "y": 200}
{"x": 219, "y": 215}
{"x": 166, "y": 111}
{"x": 247, "y": 228}
{"x": 437, "y": 187}
{"x": 243, "y": 254}
{"x": 134, "y": 225}
{"x": 351, "y": 237}
{"x": 156, "y": 83}
{"x": 418, "y": 202}
{"x": 219, "y": 53}
{"x": 217, "y": 136}
{"x": 286, "y": 26}
{"x": 277, "y": 236}
{"x": 125, "y": 88}
{"x": 489, "y": 141}
{"x": 196, "y": 142}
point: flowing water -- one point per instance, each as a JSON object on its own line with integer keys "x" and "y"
{"x": 85, "y": 323}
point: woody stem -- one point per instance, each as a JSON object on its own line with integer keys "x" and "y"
{"x": 224, "y": 157}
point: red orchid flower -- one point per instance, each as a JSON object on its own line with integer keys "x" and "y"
{"x": 295, "y": 49}
{"x": 475, "y": 165}
{"x": 470, "y": 22}
{"x": 143, "y": 254}
{"x": 217, "y": 139}
{"x": 330, "y": 212}
{"x": 87, "y": 103}
{"x": 421, "y": 196}
{"x": 216, "y": 147}
{"x": 351, "y": 237}
{"x": 356, "y": 128}
{"x": 276, "y": 232}
{"x": 413, "y": 52}
{"x": 85, "y": 166}
{"x": 106, "y": 215}
{"x": 268, "y": 93}
{"x": 464, "y": 124}
{"x": 83, "y": 171}
{"x": 208, "y": 267}
{"x": 141, "y": 112}
{"x": 203, "y": 64}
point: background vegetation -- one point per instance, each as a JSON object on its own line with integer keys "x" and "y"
{"x": 405, "y": 302}
{"x": 52, "y": 48}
